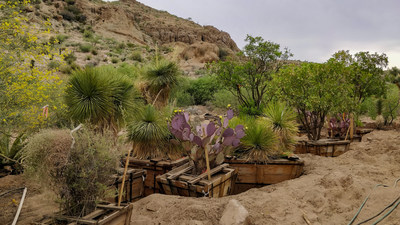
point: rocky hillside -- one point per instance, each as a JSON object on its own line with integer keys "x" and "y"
{"x": 130, "y": 22}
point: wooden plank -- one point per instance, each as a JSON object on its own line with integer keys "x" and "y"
{"x": 94, "y": 214}
{"x": 212, "y": 172}
{"x": 110, "y": 206}
{"x": 176, "y": 174}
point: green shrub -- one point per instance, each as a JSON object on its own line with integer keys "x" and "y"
{"x": 53, "y": 65}
{"x": 70, "y": 58}
{"x": 88, "y": 34}
{"x": 85, "y": 47}
{"x": 136, "y": 56}
{"x": 94, "y": 52}
{"x": 203, "y": 89}
{"x": 114, "y": 60}
{"x": 222, "y": 98}
{"x": 61, "y": 38}
{"x": 78, "y": 175}
{"x": 68, "y": 69}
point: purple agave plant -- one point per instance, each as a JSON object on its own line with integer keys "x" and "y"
{"x": 215, "y": 137}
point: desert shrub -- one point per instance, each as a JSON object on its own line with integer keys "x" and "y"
{"x": 61, "y": 38}
{"x": 68, "y": 69}
{"x": 87, "y": 34}
{"x": 222, "y": 98}
{"x": 53, "y": 65}
{"x": 79, "y": 174}
{"x": 222, "y": 53}
{"x": 85, "y": 47}
{"x": 70, "y": 58}
{"x": 114, "y": 60}
{"x": 251, "y": 109}
{"x": 130, "y": 45}
{"x": 70, "y": 2}
{"x": 136, "y": 56}
{"x": 94, "y": 52}
{"x": 203, "y": 89}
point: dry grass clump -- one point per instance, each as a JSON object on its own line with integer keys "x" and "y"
{"x": 78, "y": 174}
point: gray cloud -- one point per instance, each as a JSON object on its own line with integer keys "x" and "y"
{"x": 312, "y": 29}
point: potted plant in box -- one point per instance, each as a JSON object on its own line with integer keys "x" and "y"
{"x": 265, "y": 155}
{"x": 205, "y": 145}
{"x": 316, "y": 90}
{"x": 151, "y": 146}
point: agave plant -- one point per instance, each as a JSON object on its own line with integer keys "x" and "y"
{"x": 213, "y": 138}
{"x": 160, "y": 78}
{"x": 148, "y": 133}
{"x": 282, "y": 119}
{"x": 260, "y": 142}
{"x": 99, "y": 97}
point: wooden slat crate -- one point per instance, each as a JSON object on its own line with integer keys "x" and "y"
{"x": 109, "y": 214}
{"x": 133, "y": 188}
{"x": 179, "y": 181}
{"x": 323, "y": 147}
{"x": 154, "y": 168}
{"x": 251, "y": 174}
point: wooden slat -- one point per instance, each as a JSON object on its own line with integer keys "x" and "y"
{"x": 212, "y": 172}
{"x": 173, "y": 174}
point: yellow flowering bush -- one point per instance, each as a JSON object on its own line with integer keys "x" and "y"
{"x": 29, "y": 92}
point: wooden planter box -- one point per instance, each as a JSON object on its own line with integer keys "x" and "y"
{"x": 323, "y": 147}
{"x": 179, "y": 181}
{"x": 104, "y": 215}
{"x": 133, "y": 188}
{"x": 154, "y": 168}
{"x": 251, "y": 174}
{"x": 355, "y": 138}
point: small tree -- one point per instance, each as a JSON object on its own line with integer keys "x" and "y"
{"x": 365, "y": 74}
{"x": 248, "y": 77}
{"x": 314, "y": 90}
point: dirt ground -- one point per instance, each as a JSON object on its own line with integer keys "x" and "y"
{"x": 330, "y": 192}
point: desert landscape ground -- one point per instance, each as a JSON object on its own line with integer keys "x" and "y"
{"x": 329, "y": 192}
{"x": 91, "y": 91}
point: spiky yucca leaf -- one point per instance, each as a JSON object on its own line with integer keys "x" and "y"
{"x": 89, "y": 96}
{"x": 282, "y": 119}
{"x": 148, "y": 132}
{"x": 160, "y": 78}
{"x": 100, "y": 96}
{"x": 260, "y": 142}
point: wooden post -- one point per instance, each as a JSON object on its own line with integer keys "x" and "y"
{"x": 123, "y": 177}
{"x": 207, "y": 162}
{"x": 351, "y": 126}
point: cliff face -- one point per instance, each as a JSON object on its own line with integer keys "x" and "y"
{"x": 133, "y": 21}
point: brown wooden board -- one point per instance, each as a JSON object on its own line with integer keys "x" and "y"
{"x": 185, "y": 184}
{"x": 104, "y": 215}
{"x": 323, "y": 147}
{"x": 154, "y": 168}
{"x": 252, "y": 174}
{"x": 133, "y": 188}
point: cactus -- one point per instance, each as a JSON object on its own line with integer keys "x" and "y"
{"x": 215, "y": 137}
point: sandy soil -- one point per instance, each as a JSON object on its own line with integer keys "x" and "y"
{"x": 330, "y": 192}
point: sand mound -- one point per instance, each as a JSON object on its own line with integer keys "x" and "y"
{"x": 330, "y": 191}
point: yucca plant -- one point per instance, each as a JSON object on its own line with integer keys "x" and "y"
{"x": 100, "y": 97}
{"x": 160, "y": 78}
{"x": 10, "y": 150}
{"x": 282, "y": 119}
{"x": 148, "y": 133}
{"x": 260, "y": 142}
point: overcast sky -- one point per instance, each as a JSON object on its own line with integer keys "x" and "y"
{"x": 312, "y": 29}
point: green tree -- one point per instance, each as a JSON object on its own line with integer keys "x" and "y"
{"x": 248, "y": 76}
{"x": 365, "y": 73}
{"x": 314, "y": 90}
